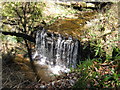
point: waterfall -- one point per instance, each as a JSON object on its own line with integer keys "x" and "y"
{"x": 58, "y": 52}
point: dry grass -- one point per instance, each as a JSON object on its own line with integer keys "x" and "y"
{"x": 13, "y": 75}
{"x": 104, "y": 28}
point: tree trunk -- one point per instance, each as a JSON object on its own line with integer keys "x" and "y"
{"x": 31, "y": 60}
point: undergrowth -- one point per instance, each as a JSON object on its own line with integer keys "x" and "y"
{"x": 98, "y": 74}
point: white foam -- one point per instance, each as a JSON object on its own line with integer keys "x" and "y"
{"x": 58, "y": 69}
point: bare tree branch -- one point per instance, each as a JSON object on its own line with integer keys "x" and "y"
{"x": 24, "y": 36}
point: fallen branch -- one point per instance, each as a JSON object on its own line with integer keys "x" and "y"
{"x": 24, "y": 36}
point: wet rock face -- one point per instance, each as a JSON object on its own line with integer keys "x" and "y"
{"x": 56, "y": 51}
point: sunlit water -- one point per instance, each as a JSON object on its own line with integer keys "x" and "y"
{"x": 57, "y": 52}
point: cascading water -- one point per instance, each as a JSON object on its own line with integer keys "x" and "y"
{"x": 56, "y": 51}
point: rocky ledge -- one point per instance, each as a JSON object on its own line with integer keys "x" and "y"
{"x": 64, "y": 81}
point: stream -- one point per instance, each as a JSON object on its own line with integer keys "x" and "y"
{"x": 58, "y": 46}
